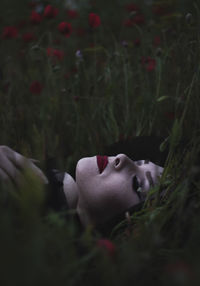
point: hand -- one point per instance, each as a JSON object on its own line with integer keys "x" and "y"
{"x": 12, "y": 164}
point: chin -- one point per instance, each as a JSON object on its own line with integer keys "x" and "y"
{"x": 85, "y": 168}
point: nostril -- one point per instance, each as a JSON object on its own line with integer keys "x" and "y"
{"x": 117, "y": 161}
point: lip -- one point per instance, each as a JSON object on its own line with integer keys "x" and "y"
{"x": 102, "y": 162}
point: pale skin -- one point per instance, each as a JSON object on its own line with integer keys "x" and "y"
{"x": 103, "y": 187}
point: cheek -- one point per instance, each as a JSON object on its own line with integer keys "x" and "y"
{"x": 103, "y": 196}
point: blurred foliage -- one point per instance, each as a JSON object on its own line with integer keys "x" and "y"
{"x": 136, "y": 74}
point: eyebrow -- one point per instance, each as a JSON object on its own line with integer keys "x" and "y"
{"x": 139, "y": 163}
{"x": 135, "y": 182}
{"x": 149, "y": 177}
{"x": 139, "y": 194}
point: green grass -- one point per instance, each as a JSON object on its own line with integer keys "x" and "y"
{"x": 85, "y": 104}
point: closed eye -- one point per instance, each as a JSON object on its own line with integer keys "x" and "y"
{"x": 135, "y": 184}
{"x": 136, "y": 187}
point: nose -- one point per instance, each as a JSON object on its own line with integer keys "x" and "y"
{"x": 121, "y": 160}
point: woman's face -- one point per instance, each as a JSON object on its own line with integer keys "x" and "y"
{"x": 110, "y": 185}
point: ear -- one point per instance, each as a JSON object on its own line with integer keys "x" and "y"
{"x": 70, "y": 190}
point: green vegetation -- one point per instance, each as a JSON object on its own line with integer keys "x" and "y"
{"x": 67, "y": 91}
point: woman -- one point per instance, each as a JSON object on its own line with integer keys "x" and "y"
{"x": 103, "y": 188}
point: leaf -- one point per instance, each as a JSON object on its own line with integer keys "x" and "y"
{"x": 172, "y": 16}
{"x": 176, "y": 134}
{"x": 162, "y": 98}
{"x": 164, "y": 144}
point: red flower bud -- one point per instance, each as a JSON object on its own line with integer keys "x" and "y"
{"x": 107, "y": 246}
{"x": 149, "y": 63}
{"x": 94, "y": 20}
{"x": 50, "y": 12}
{"x": 9, "y": 32}
{"x": 35, "y": 17}
{"x": 55, "y": 53}
{"x": 65, "y": 28}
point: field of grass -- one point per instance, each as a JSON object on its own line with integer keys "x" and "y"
{"x": 74, "y": 79}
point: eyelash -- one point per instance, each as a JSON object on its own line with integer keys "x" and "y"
{"x": 136, "y": 185}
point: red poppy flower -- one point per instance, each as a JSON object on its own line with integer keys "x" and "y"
{"x": 72, "y": 14}
{"x": 107, "y": 245}
{"x": 55, "y": 53}
{"x": 28, "y": 37}
{"x": 132, "y": 7}
{"x": 35, "y": 17}
{"x": 9, "y": 32}
{"x": 36, "y": 87}
{"x": 149, "y": 63}
{"x": 59, "y": 55}
{"x": 50, "y": 12}
{"x": 94, "y": 20}
{"x": 65, "y": 28}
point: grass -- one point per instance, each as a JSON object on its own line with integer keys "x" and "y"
{"x": 123, "y": 82}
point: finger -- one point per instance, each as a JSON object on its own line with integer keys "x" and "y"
{"x": 34, "y": 160}
{"x": 10, "y": 160}
{"x": 15, "y": 157}
{"x": 8, "y": 167}
{"x": 38, "y": 172}
{"x": 3, "y": 175}
{"x": 22, "y": 163}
